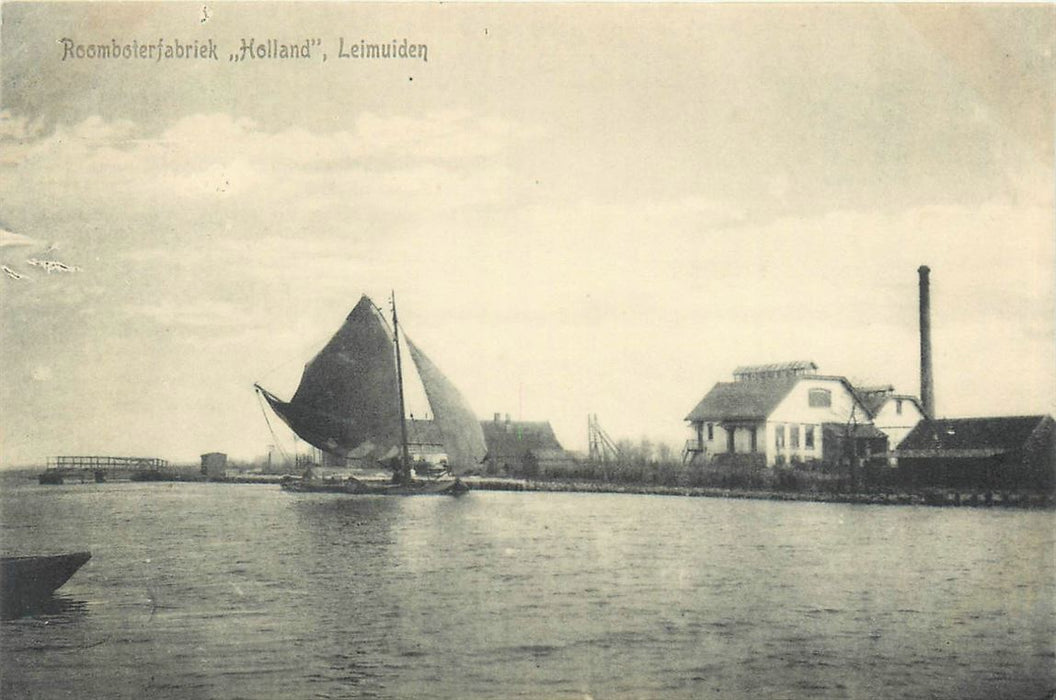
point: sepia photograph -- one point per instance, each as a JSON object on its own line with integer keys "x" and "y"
{"x": 543, "y": 350}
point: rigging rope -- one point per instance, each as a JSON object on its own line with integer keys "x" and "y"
{"x": 292, "y": 359}
{"x": 267, "y": 420}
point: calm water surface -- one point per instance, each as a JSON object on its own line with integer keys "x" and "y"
{"x": 227, "y": 591}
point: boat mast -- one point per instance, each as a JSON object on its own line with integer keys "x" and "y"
{"x": 405, "y": 464}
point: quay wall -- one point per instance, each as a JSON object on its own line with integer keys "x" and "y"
{"x": 932, "y": 497}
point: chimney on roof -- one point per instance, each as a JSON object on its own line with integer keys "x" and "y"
{"x": 498, "y": 417}
{"x": 927, "y": 387}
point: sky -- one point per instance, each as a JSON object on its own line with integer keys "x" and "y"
{"x": 582, "y": 209}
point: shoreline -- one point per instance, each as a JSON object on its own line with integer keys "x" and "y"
{"x": 932, "y": 497}
{"x": 961, "y": 498}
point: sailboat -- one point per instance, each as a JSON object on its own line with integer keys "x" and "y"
{"x": 350, "y": 405}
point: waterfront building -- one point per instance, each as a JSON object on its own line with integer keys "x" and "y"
{"x": 1007, "y": 452}
{"x": 778, "y": 414}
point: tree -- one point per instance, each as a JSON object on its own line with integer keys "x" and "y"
{"x": 645, "y": 450}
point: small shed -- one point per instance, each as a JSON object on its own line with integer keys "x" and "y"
{"x": 214, "y": 464}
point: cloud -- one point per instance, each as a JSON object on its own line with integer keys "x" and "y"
{"x": 434, "y": 162}
{"x": 9, "y": 239}
{"x": 97, "y": 132}
{"x": 445, "y": 136}
{"x": 196, "y": 314}
{"x": 14, "y": 129}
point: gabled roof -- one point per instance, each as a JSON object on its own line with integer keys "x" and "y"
{"x": 993, "y": 435}
{"x": 875, "y": 399}
{"x": 515, "y": 438}
{"x": 756, "y": 399}
{"x": 749, "y": 400}
{"x": 880, "y": 389}
{"x": 850, "y": 389}
{"x": 912, "y": 399}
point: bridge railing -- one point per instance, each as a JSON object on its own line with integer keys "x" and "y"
{"x": 97, "y": 462}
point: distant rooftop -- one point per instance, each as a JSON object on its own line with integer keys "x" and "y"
{"x": 874, "y": 397}
{"x": 506, "y": 438}
{"x": 759, "y": 389}
{"x": 743, "y": 400}
{"x": 993, "y": 434}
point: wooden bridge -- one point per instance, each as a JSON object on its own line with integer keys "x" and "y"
{"x": 97, "y": 468}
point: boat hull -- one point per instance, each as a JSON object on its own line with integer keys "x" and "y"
{"x": 26, "y": 582}
{"x": 354, "y": 487}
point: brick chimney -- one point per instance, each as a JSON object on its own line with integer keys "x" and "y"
{"x": 927, "y": 385}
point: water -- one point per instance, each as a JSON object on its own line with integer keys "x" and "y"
{"x": 228, "y": 591}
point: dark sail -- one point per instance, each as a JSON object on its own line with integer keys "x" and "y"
{"x": 347, "y": 402}
{"x": 460, "y": 429}
{"x": 347, "y": 395}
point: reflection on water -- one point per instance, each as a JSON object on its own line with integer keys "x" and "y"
{"x": 199, "y": 590}
{"x": 55, "y": 609}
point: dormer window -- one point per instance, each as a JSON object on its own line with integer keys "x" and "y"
{"x": 819, "y": 398}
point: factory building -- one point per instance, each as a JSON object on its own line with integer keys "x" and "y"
{"x": 786, "y": 413}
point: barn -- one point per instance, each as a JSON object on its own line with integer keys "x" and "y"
{"x": 1005, "y": 452}
{"x": 524, "y": 448}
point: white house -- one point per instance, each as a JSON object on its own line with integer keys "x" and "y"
{"x": 782, "y": 413}
{"x": 894, "y": 414}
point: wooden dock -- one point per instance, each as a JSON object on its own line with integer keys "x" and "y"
{"x": 97, "y": 468}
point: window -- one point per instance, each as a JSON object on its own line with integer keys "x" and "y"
{"x": 819, "y": 398}
{"x": 711, "y": 432}
{"x": 898, "y": 406}
{"x": 808, "y": 437}
{"x": 793, "y": 437}
{"x": 753, "y": 439}
{"x": 779, "y": 436}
